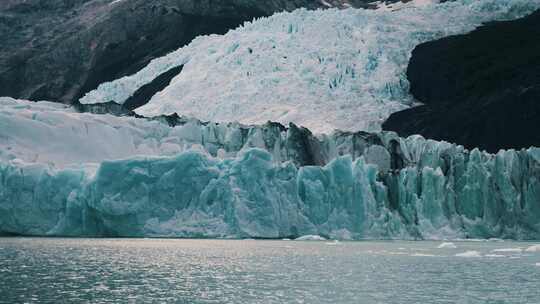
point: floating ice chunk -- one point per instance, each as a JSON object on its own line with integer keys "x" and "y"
{"x": 334, "y": 243}
{"x": 310, "y": 238}
{"x": 509, "y": 250}
{"x": 470, "y": 254}
{"x": 494, "y": 256}
{"x": 398, "y": 253}
{"x": 533, "y": 248}
{"x": 537, "y": 264}
{"x": 447, "y": 245}
{"x": 471, "y": 240}
{"x": 422, "y": 255}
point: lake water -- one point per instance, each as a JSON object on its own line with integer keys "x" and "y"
{"x": 47, "y": 270}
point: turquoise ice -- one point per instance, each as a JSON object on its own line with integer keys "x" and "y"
{"x": 254, "y": 181}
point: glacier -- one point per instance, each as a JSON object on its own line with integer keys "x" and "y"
{"x": 58, "y": 135}
{"x": 324, "y": 70}
{"x": 61, "y": 174}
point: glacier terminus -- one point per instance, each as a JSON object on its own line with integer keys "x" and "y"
{"x": 270, "y": 181}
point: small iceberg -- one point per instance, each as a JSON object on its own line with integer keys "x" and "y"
{"x": 470, "y": 254}
{"x": 310, "y": 238}
{"x": 422, "y": 255}
{"x": 447, "y": 245}
{"x": 494, "y": 256}
{"x": 334, "y": 243}
{"x": 508, "y": 250}
{"x": 471, "y": 240}
{"x": 533, "y": 248}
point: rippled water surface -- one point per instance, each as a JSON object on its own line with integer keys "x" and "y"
{"x": 230, "y": 271}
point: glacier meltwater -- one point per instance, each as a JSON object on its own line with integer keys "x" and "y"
{"x": 64, "y": 173}
{"x": 324, "y": 70}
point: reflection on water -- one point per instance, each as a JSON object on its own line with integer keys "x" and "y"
{"x": 230, "y": 271}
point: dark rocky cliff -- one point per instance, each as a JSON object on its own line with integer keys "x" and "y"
{"x": 479, "y": 90}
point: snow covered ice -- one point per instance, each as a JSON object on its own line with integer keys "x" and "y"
{"x": 54, "y": 134}
{"x": 61, "y": 174}
{"x": 325, "y": 70}
{"x": 383, "y": 5}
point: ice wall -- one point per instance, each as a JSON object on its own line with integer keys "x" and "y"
{"x": 54, "y": 134}
{"x": 382, "y": 186}
{"x": 324, "y": 70}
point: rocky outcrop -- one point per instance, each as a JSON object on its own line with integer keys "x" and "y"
{"x": 59, "y": 49}
{"x": 479, "y": 90}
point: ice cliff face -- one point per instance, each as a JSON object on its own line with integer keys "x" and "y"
{"x": 325, "y": 70}
{"x": 382, "y": 186}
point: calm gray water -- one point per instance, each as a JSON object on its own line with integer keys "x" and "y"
{"x": 229, "y": 271}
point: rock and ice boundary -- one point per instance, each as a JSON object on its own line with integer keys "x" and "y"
{"x": 325, "y": 70}
{"x": 214, "y": 180}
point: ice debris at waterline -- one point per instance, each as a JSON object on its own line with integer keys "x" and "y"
{"x": 470, "y": 254}
{"x": 362, "y": 186}
{"x": 447, "y": 245}
{"x": 325, "y": 70}
{"x": 310, "y": 238}
{"x": 508, "y": 250}
{"x": 533, "y": 248}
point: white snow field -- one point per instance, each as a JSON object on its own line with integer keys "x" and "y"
{"x": 325, "y": 70}
{"x": 66, "y": 173}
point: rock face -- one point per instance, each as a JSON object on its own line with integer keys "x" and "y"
{"x": 480, "y": 90}
{"x": 58, "y": 49}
